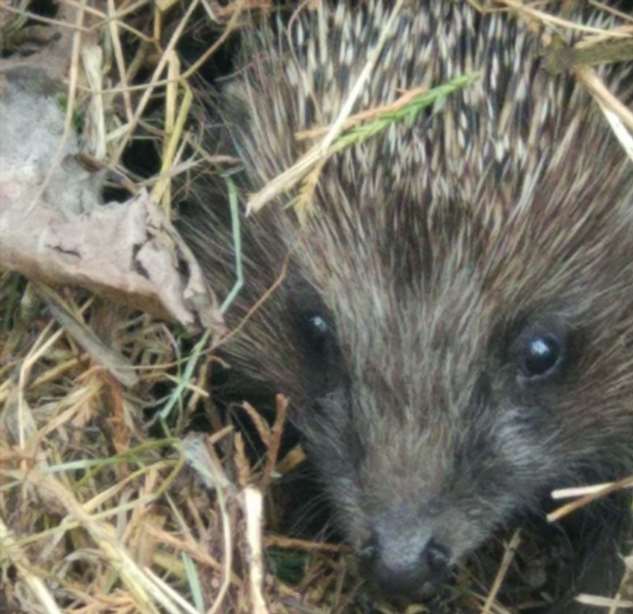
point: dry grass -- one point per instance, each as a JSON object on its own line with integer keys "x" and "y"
{"x": 108, "y": 503}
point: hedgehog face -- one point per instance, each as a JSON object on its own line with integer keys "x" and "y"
{"x": 434, "y": 423}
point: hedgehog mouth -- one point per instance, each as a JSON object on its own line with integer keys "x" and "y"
{"x": 415, "y": 589}
{"x": 426, "y": 591}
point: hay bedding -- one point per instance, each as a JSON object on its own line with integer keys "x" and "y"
{"x": 109, "y": 501}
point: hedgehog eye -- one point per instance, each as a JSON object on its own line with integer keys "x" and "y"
{"x": 317, "y": 327}
{"x": 317, "y": 330}
{"x": 541, "y": 355}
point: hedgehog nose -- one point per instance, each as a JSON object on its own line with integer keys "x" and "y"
{"x": 405, "y": 566}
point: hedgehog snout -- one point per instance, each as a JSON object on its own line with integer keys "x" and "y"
{"x": 404, "y": 560}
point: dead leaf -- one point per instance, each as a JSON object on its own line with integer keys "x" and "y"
{"x": 53, "y": 227}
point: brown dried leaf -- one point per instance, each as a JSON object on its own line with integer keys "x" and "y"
{"x": 54, "y": 229}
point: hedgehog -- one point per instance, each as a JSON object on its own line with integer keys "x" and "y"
{"x": 452, "y": 319}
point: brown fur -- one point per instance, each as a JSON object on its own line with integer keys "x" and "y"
{"x": 433, "y": 250}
